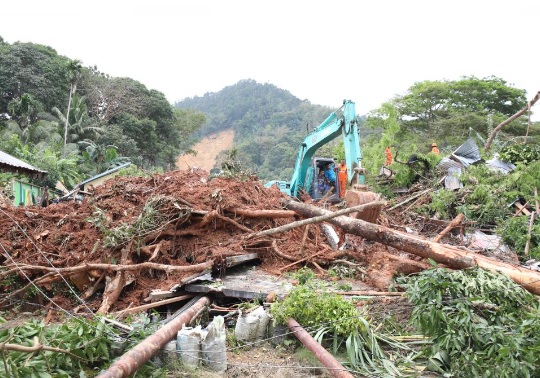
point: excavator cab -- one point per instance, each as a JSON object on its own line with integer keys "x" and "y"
{"x": 317, "y": 184}
{"x": 308, "y": 168}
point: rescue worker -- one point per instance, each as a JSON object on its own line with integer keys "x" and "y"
{"x": 434, "y": 149}
{"x": 322, "y": 185}
{"x": 342, "y": 177}
{"x": 330, "y": 175}
{"x": 388, "y": 153}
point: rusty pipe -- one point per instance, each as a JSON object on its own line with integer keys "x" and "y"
{"x": 329, "y": 361}
{"x": 130, "y": 361}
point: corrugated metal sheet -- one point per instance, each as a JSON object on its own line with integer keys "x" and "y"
{"x": 14, "y": 162}
{"x": 499, "y": 165}
{"x": 467, "y": 154}
{"x": 468, "y": 150}
{"x": 112, "y": 170}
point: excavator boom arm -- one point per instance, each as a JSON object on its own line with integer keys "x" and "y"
{"x": 343, "y": 121}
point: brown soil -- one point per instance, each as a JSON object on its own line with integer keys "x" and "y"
{"x": 193, "y": 221}
{"x": 207, "y": 151}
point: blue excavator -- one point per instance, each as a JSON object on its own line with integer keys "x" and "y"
{"x": 308, "y": 167}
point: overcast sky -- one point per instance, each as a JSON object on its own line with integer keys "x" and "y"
{"x": 322, "y": 51}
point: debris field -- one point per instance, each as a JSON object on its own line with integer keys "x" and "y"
{"x": 133, "y": 235}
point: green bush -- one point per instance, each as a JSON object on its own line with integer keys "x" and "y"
{"x": 481, "y": 324}
{"x": 514, "y": 232}
{"x": 520, "y": 153}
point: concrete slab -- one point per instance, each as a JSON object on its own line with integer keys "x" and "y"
{"x": 245, "y": 283}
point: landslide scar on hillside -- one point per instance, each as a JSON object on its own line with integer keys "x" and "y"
{"x": 207, "y": 151}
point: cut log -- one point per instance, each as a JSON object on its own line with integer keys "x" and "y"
{"x": 444, "y": 254}
{"x": 130, "y": 361}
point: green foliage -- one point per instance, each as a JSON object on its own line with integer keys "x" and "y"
{"x": 157, "y": 212}
{"x": 232, "y": 167}
{"x": 481, "y": 323}
{"x": 85, "y": 348}
{"x": 520, "y": 153}
{"x": 36, "y": 70}
{"x": 333, "y": 315}
{"x": 386, "y": 119}
{"x": 486, "y": 196}
{"x": 515, "y": 232}
{"x": 37, "y": 84}
{"x": 442, "y": 203}
{"x": 86, "y": 343}
{"x": 429, "y": 104}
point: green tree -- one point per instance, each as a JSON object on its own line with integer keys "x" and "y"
{"x": 447, "y": 110}
{"x": 24, "y": 110}
{"x": 102, "y": 157}
{"x": 79, "y": 125}
{"x": 33, "y": 69}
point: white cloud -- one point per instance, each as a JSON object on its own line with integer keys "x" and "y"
{"x": 322, "y": 51}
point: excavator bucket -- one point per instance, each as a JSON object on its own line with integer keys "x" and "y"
{"x": 355, "y": 197}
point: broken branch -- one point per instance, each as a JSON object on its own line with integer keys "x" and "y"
{"x": 317, "y": 219}
{"x": 153, "y": 305}
{"x": 507, "y": 121}
{"x": 453, "y": 224}
{"x": 305, "y": 258}
{"x": 262, "y": 213}
{"x": 37, "y": 347}
{"x": 120, "y": 267}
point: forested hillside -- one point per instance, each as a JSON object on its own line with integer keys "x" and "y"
{"x": 269, "y": 123}
{"x": 75, "y": 121}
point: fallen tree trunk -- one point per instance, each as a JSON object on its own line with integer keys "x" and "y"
{"x": 444, "y": 254}
{"x": 116, "y": 268}
{"x": 314, "y": 219}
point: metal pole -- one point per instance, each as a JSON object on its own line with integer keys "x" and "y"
{"x": 130, "y": 361}
{"x": 329, "y": 361}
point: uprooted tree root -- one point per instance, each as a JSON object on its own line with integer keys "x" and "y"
{"x": 135, "y": 234}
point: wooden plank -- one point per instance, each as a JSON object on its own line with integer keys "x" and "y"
{"x": 153, "y": 305}
{"x": 240, "y": 259}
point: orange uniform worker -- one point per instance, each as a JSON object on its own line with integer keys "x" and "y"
{"x": 434, "y": 149}
{"x": 342, "y": 177}
{"x": 388, "y": 153}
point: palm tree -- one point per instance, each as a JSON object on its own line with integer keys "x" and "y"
{"x": 102, "y": 156}
{"x": 74, "y": 74}
{"x": 79, "y": 125}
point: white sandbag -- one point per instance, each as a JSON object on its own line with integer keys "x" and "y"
{"x": 189, "y": 345}
{"x": 214, "y": 345}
